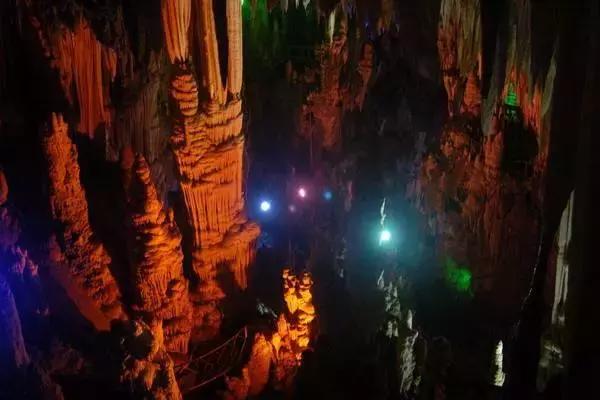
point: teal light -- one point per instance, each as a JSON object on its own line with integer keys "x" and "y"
{"x": 385, "y": 236}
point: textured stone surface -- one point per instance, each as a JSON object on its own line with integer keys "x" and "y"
{"x": 209, "y": 149}
{"x": 84, "y": 259}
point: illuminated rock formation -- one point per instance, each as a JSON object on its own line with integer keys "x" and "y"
{"x": 161, "y": 289}
{"x": 81, "y": 61}
{"x": 86, "y": 260}
{"x": 147, "y": 368}
{"x": 324, "y": 108}
{"x": 293, "y": 328}
{"x": 209, "y": 149}
{"x": 237, "y": 388}
{"x": 481, "y": 189}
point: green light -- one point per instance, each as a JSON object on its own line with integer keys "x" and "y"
{"x": 511, "y": 96}
{"x": 460, "y": 278}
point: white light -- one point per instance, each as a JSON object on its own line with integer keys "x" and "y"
{"x": 385, "y": 236}
{"x": 302, "y": 192}
{"x": 265, "y": 206}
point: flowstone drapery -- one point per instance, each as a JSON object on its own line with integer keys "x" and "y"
{"x": 208, "y": 144}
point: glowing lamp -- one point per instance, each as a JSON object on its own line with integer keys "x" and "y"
{"x": 302, "y": 192}
{"x": 265, "y": 206}
{"x": 327, "y": 195}
{"x": 385, "y": 236}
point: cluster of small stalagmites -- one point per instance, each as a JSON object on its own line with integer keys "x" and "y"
{"x": 293, "y": 327}
{"x": 161, "y": 290}
{"x": 147, "y": 368}
{"x": 276, "y": 357}
{"x": 86, "y": 260}
{"x": 208, "y": 145}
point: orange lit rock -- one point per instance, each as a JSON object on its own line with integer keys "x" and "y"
{"x": 147, "y": 367}
{"x": 293, "y": 327}
{"x": 86, "y": 261}
{"x": 209, "y": 149}
{"x": 176, "y": 23}
{"x": 161, "y": 290}
{"x": 237, "y": 388}
{"x": 259, "y": 364}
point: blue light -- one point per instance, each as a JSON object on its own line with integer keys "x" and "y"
{"x": 327, "y": 195}
{"x": 265, "y": 206}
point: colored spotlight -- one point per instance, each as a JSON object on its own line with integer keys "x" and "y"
{"x": 327, "y": 195}
{"x": 292, "y": 208}
{"x": 385, "y": 236}
{"x": 302, "y": 192}
{"x": 265, "y": 206}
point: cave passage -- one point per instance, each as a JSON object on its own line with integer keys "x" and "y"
{"x": 299, "y": 199}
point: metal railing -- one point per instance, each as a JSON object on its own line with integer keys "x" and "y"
{"x": 202, "y": 369}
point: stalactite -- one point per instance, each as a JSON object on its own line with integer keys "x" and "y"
{"x": 87, "y": 72}
{"x": 137, "y": 125}
{"x": 87, "y": 262}
{"x": 206, "y": 36}
{"x": 176, "y": 16}
{"x": 161, "y": 288}
{"x": 208, "y": 148}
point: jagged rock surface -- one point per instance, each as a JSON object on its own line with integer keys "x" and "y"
{"x": 147, "y": 367}
{"x": 86, "y": 261}
{"x": 209, "y": 148}
{"x": 157, "y": 260}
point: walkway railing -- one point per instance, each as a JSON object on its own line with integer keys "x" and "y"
{"x": 202, "y": 369}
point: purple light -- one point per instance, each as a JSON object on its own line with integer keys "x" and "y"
{"x": 302, "y": 192}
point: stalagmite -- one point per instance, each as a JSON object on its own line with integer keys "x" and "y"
{"x": 86, "y": 260}
{"x": 293, "y": 327}
{"x": 209, "y": 149}
{"x": 161, "y": 289}
{"x": 147, "y": 368}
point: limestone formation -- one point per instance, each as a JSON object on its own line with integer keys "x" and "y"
{"x": 161, "y": 290}
{"x": 293, "y": 327}
{"x": 86, "y": 262}
{"x": 209, "y": 148}
{"x": 147, "y": 368}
